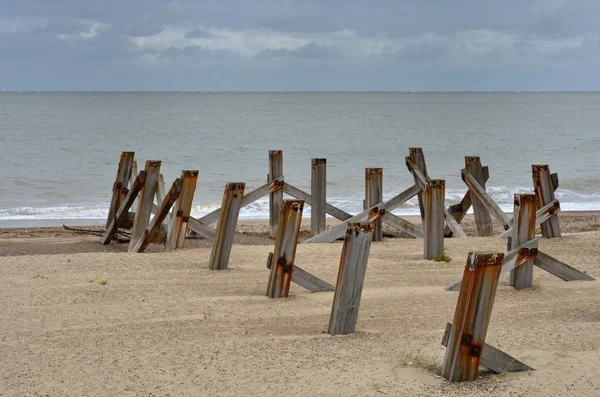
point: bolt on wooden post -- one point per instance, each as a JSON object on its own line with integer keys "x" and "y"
{"x": 276, "y": 197}
{"x": 416, "y": 154}
{"x": 120, "y": 189}
{"x": 351, "y": 276}
{"x": 374, "y": 196}
{"x": 146, "y": 197}
{"x": 523, "y": 230}
{"x": 433, "y": 204}
{"x": 318, "y": 193}
{"x": 473, "y": 311}
{"x": 230, "y": 211}
{"x": 544, "y": 185}
{"x": 483, "y": 219}
{"x": 282, "y": 260}
{"x": 182, "y": 211}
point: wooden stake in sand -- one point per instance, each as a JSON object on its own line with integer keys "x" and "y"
{"x": 120, "y": 189}
{"x": 373, "y": 196}
{"x": 523, "y": 225}
{"x": 230, "y": 210}
{"x": 433, "y": 203}
{"x": 144, "y": 210}
{"x": 545, "y": 184}
{"x": 318, "y": 192}
{"x": 275, "y": 196}
{"x": 181, "y": 213}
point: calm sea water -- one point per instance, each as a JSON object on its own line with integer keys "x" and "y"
{"x": 60, "y": 151}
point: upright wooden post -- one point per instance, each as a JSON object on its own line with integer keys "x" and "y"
{"x": 181, "y": 213}
{"x": 120, "y": 187}
{"x": 276, "y": 197}
{"x": 282, "y": 261}
{"x": 543, "y": 183}
{"x": 318, "y": 189}
{"x": 433, "y": 203}
{"x": 145, "y": 202}
{"x": 230, "y": 210}
{"x": 483, "y": 218}
{"x": 351, "y": 276}
{"x": 374, "y": 196}
{"x": 523, "y": 230}
{"x": 134, "y": 173}
{"x": 472, "y": 316}
{"x": 416, "y": 154}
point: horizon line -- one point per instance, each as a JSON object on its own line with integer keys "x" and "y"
{"x": 302, "y": 91}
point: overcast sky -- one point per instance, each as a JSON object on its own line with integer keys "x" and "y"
{"x": 299, "y": 45}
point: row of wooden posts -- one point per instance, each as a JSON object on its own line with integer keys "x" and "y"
{"x": 464, "y": 338}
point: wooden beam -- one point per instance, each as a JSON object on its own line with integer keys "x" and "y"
{"x": 123, "y": 211}
{"x": 541, "y": 215}
{"x": 145, "y": 202}
{"x": 523, "y": 231}
{"x": 160, "y": 190}
{"x": 559, "y": 269}
{"x": 318, "y": 191}
{"x": 459, "y": 210}
{"x": 485, "y": 199}
{"x": 420, "y": 178}
{"x": 471, "y": 318}
{"x": 134, "y": 173}
{"x": 433, "y": 202}
{"x": 120, "y": 190}
{"x": 282, "y": 263}
{"x": 231, "y": 204}
{"x": 544, "y": 189}
{"x": 306, "y": 279}
{"x": 351, "y": 276}
{"x": 178, "y": 224}
{"x": 302, "y": 195}
{"x": 402, "y": 224}
{"x": 275, "y": 197}
{"x": 374, "y": 195}
{"x": 454, "y": 226}
{"x": 483, "y": 220}
{"x": 200, "y": 228}
{"x": 418, "y": 159}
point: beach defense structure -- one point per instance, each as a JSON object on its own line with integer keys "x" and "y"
{"x": 523, "y": 249}
{"x": 464, "y": 338}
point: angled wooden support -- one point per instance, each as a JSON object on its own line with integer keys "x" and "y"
{"x": 123, "y": 211}
{"x": 482, "y": 216}
{"x": 473, "y": 311}
{"x": 351, "y": 276}
{"x": 478, "y": 192}
{"x": 134, "y": 173}
{"x": 302, "y": 195}
{"x": 543, "y": 183}
{"x": 282, "y": 262}
{"x": 559, "y": 269}
{"x": 160, "y": 190}
{"x": 144, "y": 211}
{"x": 318, "y": 192}
{"x": 433, "y": 203}
{"x": 230, "y": 211}
{"x": 275, "y": 197}
{"x": 305, "y": 279}
{"x": 200, "y": 228}
{"x": 523, "y": 231}
{"x": 178, "y": 224}
{"x": 402, "y": 224}
{"x": 151, "y": 233}
{"x": 374, "y": 195}
{"x": 458, "y": 211}
{"x": 453, "y": 225}
{"x": 541, "y": 215}
{"x": 493, "y": 359}
{"x": 418, "y": 159}
{"x": 120, "y": 185}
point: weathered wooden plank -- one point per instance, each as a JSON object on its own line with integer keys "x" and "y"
{"x": 351, "y": 276}
{"x": 160, "y": 190}
{"x": 153, "y": 229}
{"x": 123, "y": 211}
{"x": 134, "y": 173}
{"x": 305, "y": 279}
{"x": 338, "y": 231}
{"x": 494, "y": 359}
{"x": 433, "y": 202}
{"x": 374, "y": 195}
{"x": 120, "y": 190}
{"x": 318, "y": 191}
{"x": 282, "y": 264}
{"x": 484, "y": 199}
{"x": 483, "y": 220}
{"x": 302, "y": 195}
{"x": 541, "y": 215}
{"x": 418, "y": 158}
{"x": 523, "y": 231}
{"x": 512, "y": 259}
{"x": 559, "y": 269}
{"x": 544, "y": 189}
{"x": 454, "y": 226}
{"x": 420, "y": 178}
{"x": 201, "y": 229}
{"x": 144, "y": 210}
{"x": 178, "y": 224}
{"x": 554, "y": 178}
{"x": 459, "y": 210}
{"x": 275, "y": 197}
{"x": 471, "y": 318}
{"x": 230, "y": 211}
{"x": 402, "y": 224}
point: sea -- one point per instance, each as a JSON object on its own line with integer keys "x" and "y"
{"x": 59, "y": 151}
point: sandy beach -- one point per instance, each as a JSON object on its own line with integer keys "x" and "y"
{"x": 79, "y": 318}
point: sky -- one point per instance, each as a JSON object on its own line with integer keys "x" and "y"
{"x": 248, "y": 45}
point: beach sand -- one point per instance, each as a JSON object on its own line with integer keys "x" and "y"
{"x": 162, "y": 324}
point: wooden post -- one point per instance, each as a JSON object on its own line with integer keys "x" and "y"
{"x": 374, "y": 196}
{"x": 275, "y": 197}
{"x": 181, "y": 213}
{"x": 145, "y": 202}
{"x": 523, "y": 227}
{"x": 416, "y": 154}
{"x": 433, "y": 203}
{"x": 318, "y": 189}
{"x": 544, "y": 183}
{"x": 351, "y": 276}
{"x": 483, "y": 218}
{"x": 120, "y": 187}
{"x": 230, "y": 210}
{"x": 282, "y": 261}
{"x": 466, "y": 339}
{"x": 134, "y": 173}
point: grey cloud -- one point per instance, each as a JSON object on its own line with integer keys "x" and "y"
{"x": 195, "y": 52}
{"x": 197, "y": 34}
{"x": 311, "y": 50}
